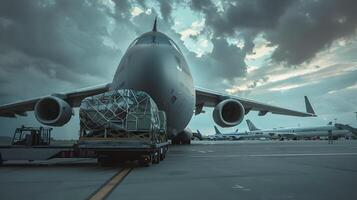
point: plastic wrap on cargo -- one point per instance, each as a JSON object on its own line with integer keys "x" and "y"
{"x": 126, "y": 110}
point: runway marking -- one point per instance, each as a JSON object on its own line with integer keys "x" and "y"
{"x": 105, "y": 190}
{"x": 278, "y": 155}
{"x": 239, "y": 187}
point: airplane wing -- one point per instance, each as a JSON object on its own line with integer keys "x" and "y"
{"x": 72, "y": 98}
{"x": 209, "y": 98}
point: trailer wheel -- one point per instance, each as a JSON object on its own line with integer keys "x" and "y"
{"x": 156, "y": 158}
{"x": 146, "y": 160}
{"x": 163, "y": 155}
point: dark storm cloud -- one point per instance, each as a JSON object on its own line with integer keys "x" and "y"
{"x": 165, "y": 9}
{"x": 310, "y": 27}
{"x": 56, "y": 34}
{"x": 225, "y": 62}
{"x": 229, "y": 57}
{"x": 300, "y": 29}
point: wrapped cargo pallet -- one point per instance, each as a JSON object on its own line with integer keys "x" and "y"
{"x": 121, "y": 114}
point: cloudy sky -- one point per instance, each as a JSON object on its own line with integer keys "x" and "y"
{"x": 271, "y": 51}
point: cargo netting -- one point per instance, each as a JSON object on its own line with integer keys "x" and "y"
{"x": 119, "y": 113}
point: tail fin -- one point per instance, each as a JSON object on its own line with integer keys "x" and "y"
{"x": 347, "y": 127}
{"x": 251, "y": 126}
{"x": 154, "y": 29}
{"x": 236, "y": 131}
{"x": 309, "y": 108}
{"x": 217, "y": 131}
{"x": 330, "y": 123}
{"x": 198, "y": 135}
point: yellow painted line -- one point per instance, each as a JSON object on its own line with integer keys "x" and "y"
{"x": 103, "y": 192}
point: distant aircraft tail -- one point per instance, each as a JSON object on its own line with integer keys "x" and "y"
{"x": 251, "y": 126}
{"x": 198, "y": 135}
{"x": 330, "y": 123}
{"x": 309, "y": 108}
{"x": 217, "y": 131}
{"x": 347, "y": 127}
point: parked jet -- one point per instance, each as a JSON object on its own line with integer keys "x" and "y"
{"x": 153, "y": 63}
{"x": 228, "y": 136}
{"x": 335, "y": 130}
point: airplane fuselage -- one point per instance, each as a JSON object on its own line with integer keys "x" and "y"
{"x": 304, "y": 132}
{"x": 153, "y": 63}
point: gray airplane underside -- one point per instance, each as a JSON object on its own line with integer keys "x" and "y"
{"x": 153, "y": 63}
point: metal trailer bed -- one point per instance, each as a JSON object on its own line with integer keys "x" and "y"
{"x": 109, "y": 153}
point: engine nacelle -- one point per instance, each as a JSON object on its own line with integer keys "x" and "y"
{"x": 53, "y": 111}
{"x": 228, "y": 113}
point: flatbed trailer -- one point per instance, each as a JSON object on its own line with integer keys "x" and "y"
{"x": 115, "y": 126}
{"x": 108, "y": 154}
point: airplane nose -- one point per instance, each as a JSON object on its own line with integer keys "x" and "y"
{"x": 147, "y": 73}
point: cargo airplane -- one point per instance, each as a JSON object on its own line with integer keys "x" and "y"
{"x": 152, "y": 63}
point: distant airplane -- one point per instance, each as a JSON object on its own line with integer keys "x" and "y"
{"x": 197, "y": 135}
{"x": 232, "y": 136}
{"x": 153, "y": 63}
{"x": 336, "y": 130}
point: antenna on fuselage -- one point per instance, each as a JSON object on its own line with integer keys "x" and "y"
{"x": 154, "y": 27}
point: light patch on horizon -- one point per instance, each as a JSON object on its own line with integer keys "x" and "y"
{"x": 109, "y": 4}
{"x": 351, "y": 87}
{"x": 189, "y": 24}
{"x": 201, "y": 45}
{"x": 195, "y": 29}
{"x": 323, "y": 66}
{"x": 136, "y": 11}
{"x": 285, "y": 87}
{"x": 251, "y": 68}
{"x": 261, "y": 52}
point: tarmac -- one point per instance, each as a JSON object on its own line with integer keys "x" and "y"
{"x": 202, "y": 170}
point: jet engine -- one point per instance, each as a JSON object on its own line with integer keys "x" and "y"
{"x": 228, "y": 113}
{"x": 53, "y": 111}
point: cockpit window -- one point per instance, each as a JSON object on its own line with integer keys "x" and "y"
{"x": 155, "y": 39}
{"x": 149, "y": 39}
